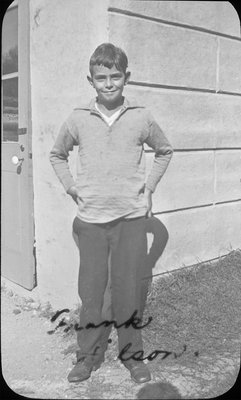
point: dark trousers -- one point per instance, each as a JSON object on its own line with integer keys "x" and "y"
{"x": 123, "y": 244}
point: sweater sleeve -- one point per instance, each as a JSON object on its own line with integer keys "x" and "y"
{"x": 163, "y": 153}
{"x": 59, "y": 156}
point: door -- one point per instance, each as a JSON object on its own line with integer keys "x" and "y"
{"x": 17, "y": 245}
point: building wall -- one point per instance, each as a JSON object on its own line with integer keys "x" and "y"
{"x": 63, "y": 36}
{"x": 185, "y": 61}
{"x": 184, "y": 58}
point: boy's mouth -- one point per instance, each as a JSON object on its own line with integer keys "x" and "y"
{"x": 110, "y": 91}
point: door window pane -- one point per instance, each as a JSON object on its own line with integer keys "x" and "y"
{"x": 10, "y": 109}
{"x": 10, "y": 82}
{"x": 10, "y": 42}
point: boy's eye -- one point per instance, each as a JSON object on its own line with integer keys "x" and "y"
{"x": 117, "y": 76}
{"x": 101, "y": 78}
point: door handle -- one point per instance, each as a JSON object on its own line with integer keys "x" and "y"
{"x": 17, "y": 161}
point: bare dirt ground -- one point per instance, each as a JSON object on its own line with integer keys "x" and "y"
{"x": 35, "y": 364}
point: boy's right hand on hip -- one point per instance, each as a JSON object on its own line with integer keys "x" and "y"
{"x": 74, "y": 193}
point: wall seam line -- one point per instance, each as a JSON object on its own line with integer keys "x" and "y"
{"x": 217, "y": 66}
{"x": 197, "y": 207}
{"x": 171, "y": 87}
{"x": 214, "y": 177}
{"x": 226, "y": 202}
{"x": 171, "y": 271}
{"x": 181, "y": 88}
{"x": 199, "y": 149}
{"x": 118, "y": 11}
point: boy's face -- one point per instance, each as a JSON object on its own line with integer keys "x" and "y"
{"x": 109, "y": 84}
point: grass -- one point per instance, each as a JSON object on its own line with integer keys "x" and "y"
{"x": 198, "y": 306}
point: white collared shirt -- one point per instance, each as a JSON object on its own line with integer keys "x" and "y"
{"x": 112, "y": 118}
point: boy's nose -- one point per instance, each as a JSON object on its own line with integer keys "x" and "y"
{"x": 108, "y": 82}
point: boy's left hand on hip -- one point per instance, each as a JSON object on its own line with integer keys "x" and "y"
{"x": 148, "y": 198}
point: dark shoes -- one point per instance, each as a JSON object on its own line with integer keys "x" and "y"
{"x": 138, "y": 370}
{"x": 98, "y": 363}
{"x": 83, "y": 368}
{"x": 80, "y": 372}
{"x": 85, "y": 365}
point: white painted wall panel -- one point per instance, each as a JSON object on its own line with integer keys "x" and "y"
{"x": 230, "y": 66}
{"x": 193, "y": 120}
{"x": 63, "y": 36}
{"x": 219, "y": 16}
{"x": 228, "y": 175}
{"x": 188, "y": 181}
{"x": 166, "y": 54}
{"x": 199, "y": 235}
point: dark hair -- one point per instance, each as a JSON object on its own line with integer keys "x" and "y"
{"x": 158, "y": 390}
{"x": 109, "y": 55}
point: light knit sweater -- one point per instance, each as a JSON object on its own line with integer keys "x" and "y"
{"x": 111, "y": 175}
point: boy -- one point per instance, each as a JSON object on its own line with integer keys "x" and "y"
{"x": 113, "y": 204}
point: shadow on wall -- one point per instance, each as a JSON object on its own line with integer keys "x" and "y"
{"x": 160, "y": 238}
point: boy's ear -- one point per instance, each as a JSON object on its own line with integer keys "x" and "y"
{"x": 89, "y": 78}
{"x": 127, "y": 77}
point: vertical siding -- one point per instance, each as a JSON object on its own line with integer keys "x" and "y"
{"x": 185, "y": 63}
